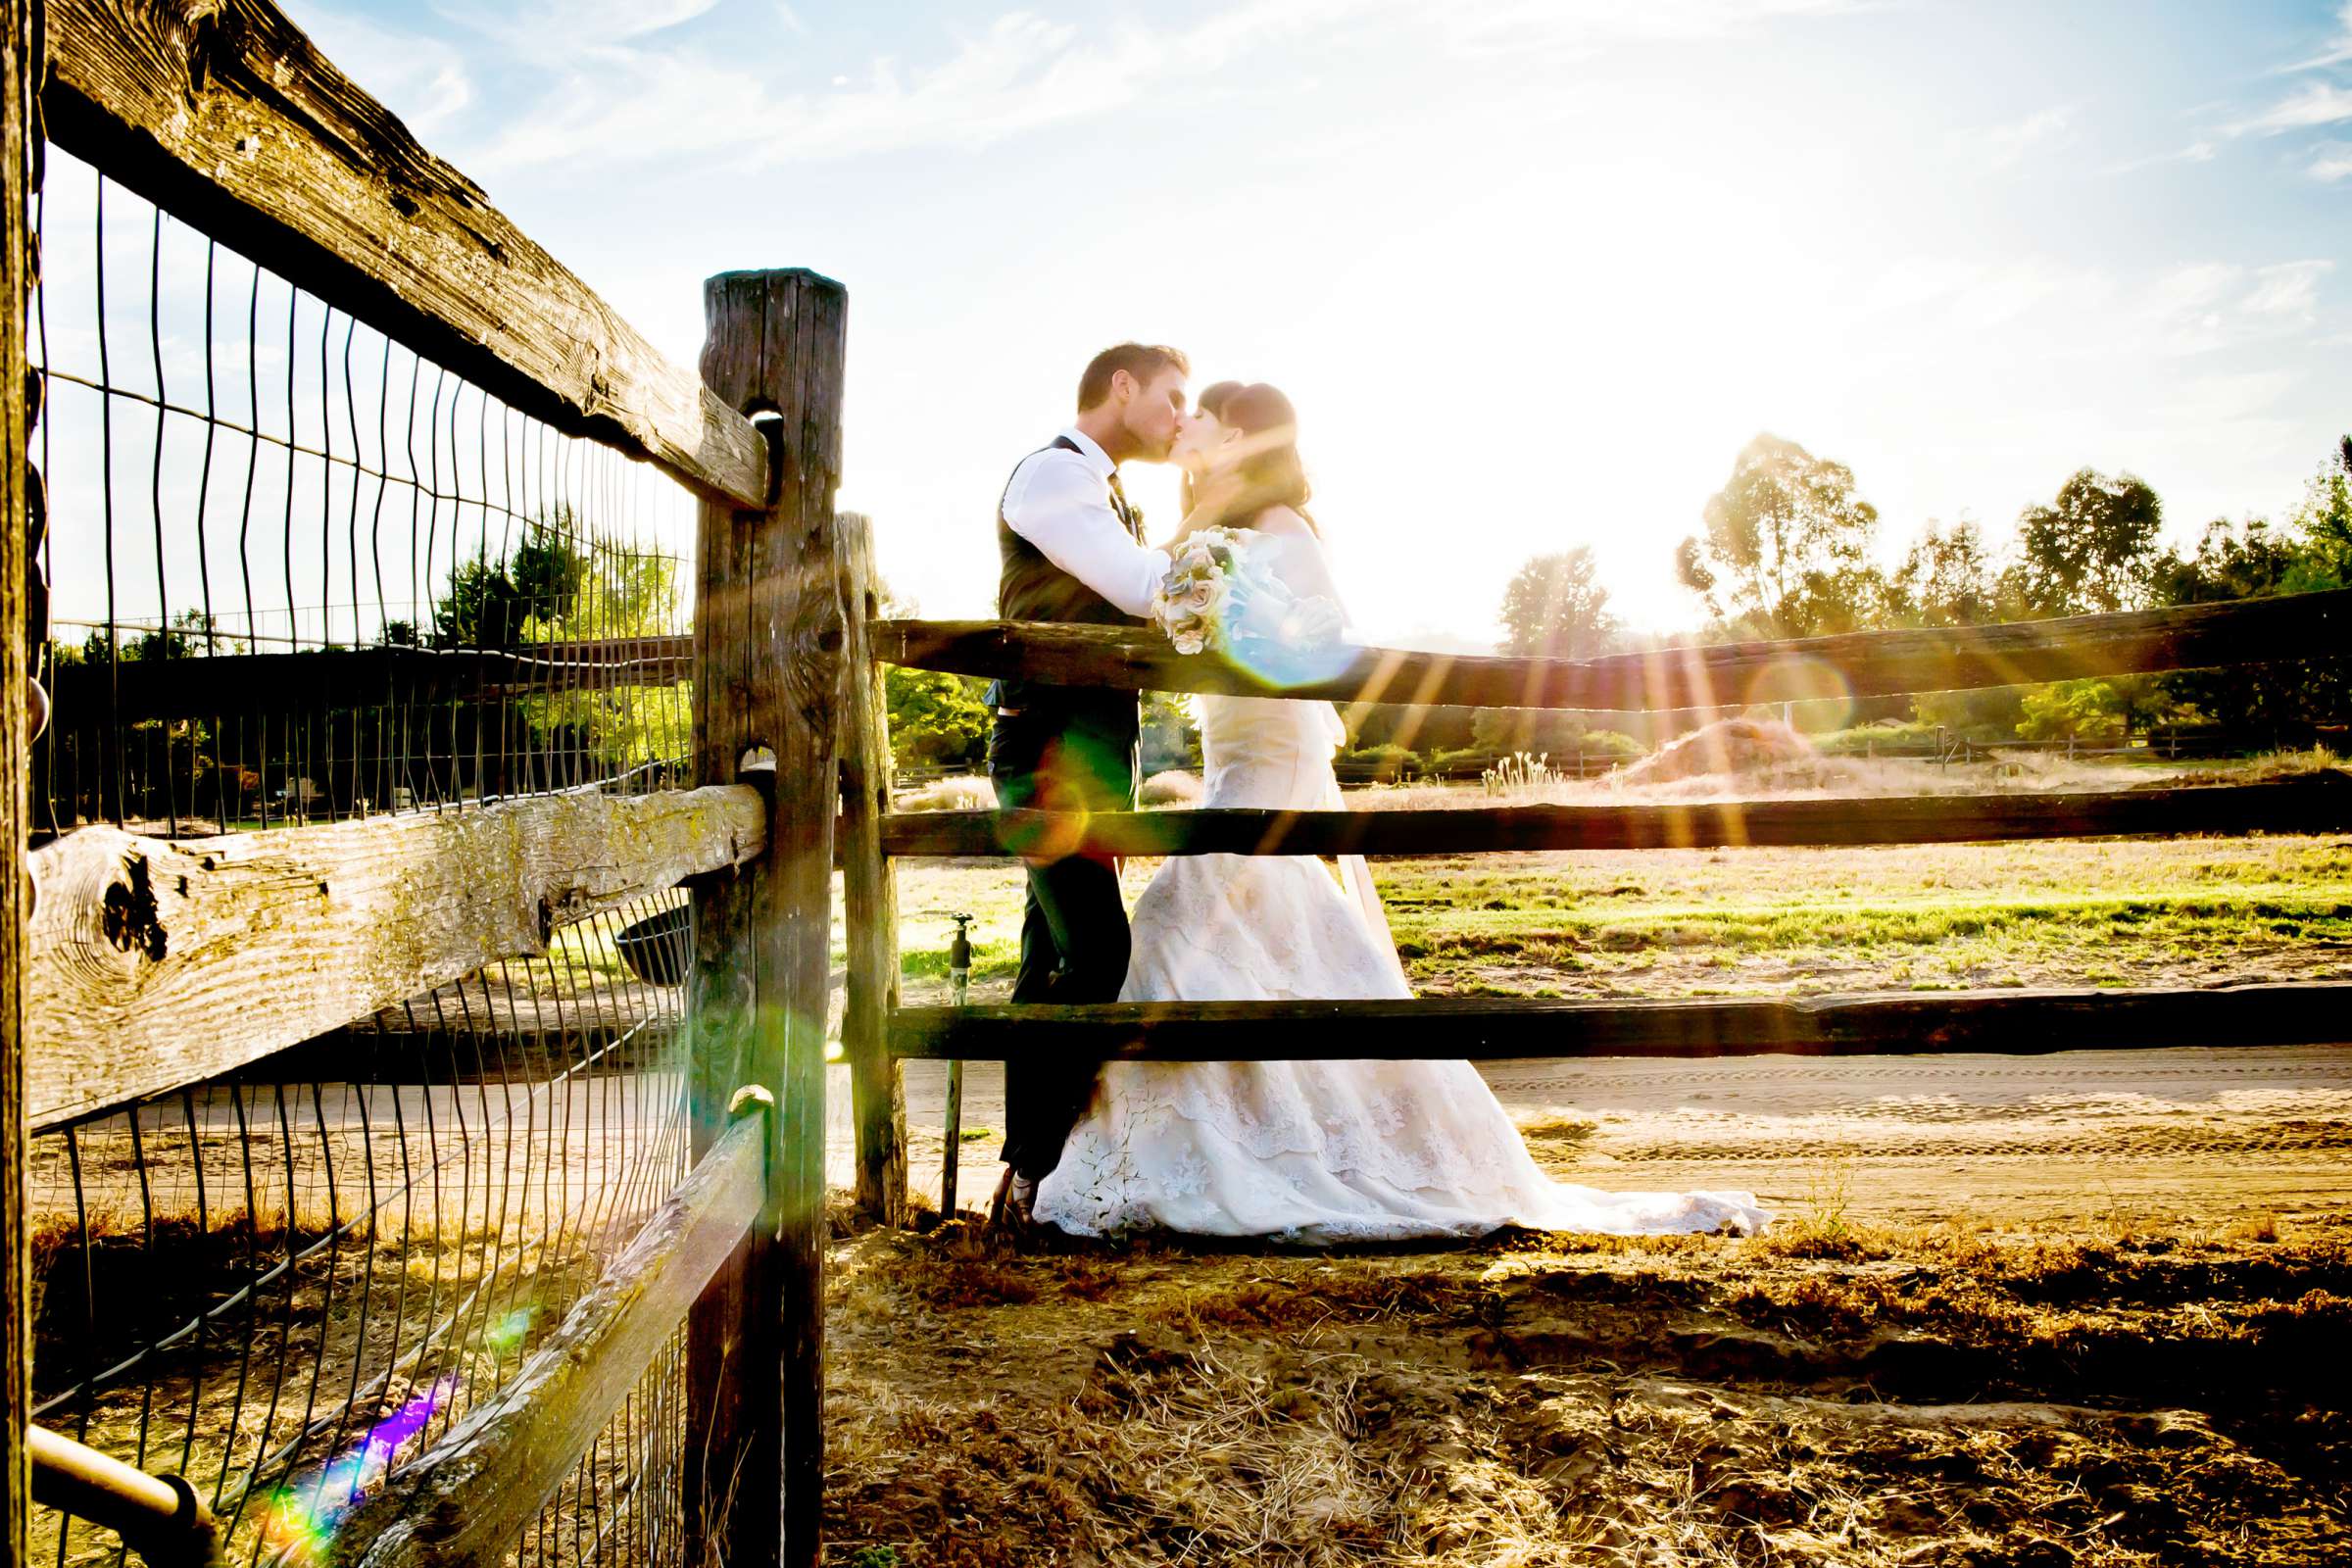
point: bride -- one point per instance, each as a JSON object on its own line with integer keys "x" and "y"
{"x": 1304, "y": 1150}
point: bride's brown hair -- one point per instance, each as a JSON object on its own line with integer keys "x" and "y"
{"x": 1271, "y": 474}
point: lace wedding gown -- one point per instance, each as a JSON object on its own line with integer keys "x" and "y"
{"x": 1306, "y": 1150}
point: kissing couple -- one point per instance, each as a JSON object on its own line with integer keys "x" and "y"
{"x": 1304, "y": 1151}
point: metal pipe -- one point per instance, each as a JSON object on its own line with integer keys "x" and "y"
{"x": 959, "y": 980}
{"x": 159, "y": 1517}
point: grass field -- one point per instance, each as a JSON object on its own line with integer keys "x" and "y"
{"x": 1762, "y": 921}
{"x": 1759, "y": 921}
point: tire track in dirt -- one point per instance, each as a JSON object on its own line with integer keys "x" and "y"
{"x": 2029, "y": 1144}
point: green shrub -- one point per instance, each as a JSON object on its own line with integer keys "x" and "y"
{"x": 1388, "y": 764}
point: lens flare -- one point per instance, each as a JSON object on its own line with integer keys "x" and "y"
{"x": 302, "y": 1532}
{"x": 1290, "y": 654}
{"x": 508, "y": 1332}
{"x": 1805, "y": 680}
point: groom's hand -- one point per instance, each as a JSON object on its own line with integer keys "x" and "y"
{"x": 1213, "y": 498}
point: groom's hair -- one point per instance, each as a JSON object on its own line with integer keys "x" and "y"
{"x": 1143, "y": 361}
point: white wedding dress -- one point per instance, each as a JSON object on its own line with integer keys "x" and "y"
{"x": 1314, "y": 1152}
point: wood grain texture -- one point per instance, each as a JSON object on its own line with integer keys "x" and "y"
{"x": 2020, "y": 1022}
{"x": 470, "y": 1499}
{"x": 869, "y": 891}
{"x": 224, "y": 113}
{"x": 17, "y": 266}
{"x": 2318, "y": 803}
{"x": 157, "y": 963}
{"x": 1721, "y": 676}
{"x": 768, "y": 645}
{"x": 796, "y": 653}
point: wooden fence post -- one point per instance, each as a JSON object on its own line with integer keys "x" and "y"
{"x": 18, "y": 144}
{"x": 869, "y": 889}
{"x": 768, "y": 646}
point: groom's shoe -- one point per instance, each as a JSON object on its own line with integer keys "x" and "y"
{"x": 1014, "y": 1203}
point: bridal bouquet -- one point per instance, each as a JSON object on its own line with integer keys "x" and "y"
{"x": 1214, "y": 597}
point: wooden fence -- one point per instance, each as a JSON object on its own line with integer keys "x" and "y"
{"x": 144, "y": 963}
{"x": 1714, "y": 679}
{"x": 153, "y": 959}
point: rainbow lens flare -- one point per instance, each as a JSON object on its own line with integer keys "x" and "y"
{"x": 299, "y": 1532}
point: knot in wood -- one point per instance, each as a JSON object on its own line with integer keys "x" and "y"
{"x": 129, "y": 916}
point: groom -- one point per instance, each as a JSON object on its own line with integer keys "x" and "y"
{"x": 1072, "y": 550}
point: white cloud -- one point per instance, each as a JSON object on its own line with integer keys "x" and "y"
{"x": 2336, "y": 50}
{"x": 2212, "y": 304}
{"x": 2195, "y": 287}
{"x": 2332, "y": 161}
{"x": 2319, "y": 102}
{"x": 420, "y": 79}
{"x": 621, "y": 99}
{"x": 1964, "y": 296}
{"x": 2201, "y": 151}
{"x": 2288, "y": 289}
{"x": 1594, "y": 24}
{"x": 2007, "y": 146}
{"x": 1023, "y": 73}
{"x": 572, "y": 26}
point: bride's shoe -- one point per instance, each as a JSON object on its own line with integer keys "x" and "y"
{"x": 1015, "y": 1202}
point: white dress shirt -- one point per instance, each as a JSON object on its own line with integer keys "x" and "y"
{"x": 1059, "y": 501}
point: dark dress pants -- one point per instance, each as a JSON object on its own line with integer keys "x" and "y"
{"x": 1074, "y": 939}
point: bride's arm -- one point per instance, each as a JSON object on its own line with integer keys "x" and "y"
{"x": 1206, "y": 504}
{"x": 1300, "y": 563}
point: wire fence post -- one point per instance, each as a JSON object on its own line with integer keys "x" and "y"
{"x": 18, "y": 145}
{"x": 869, "y": 892}
{"x": 768, "y": 635}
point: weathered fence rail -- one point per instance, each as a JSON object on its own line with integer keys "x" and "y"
{"x": 485, "y": 1483}
{"x": 549, "y": 1105}
{"x": 227, "y": 116}
{"x": 2318, "y": 803}
{"x": 21, "y": 528}
{"x": 1700, "y": 678}
{"x": 2008, "y": 1022}
{"x": 156, "y": 962}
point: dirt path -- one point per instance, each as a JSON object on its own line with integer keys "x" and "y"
{"x": 2113, "y": 1137}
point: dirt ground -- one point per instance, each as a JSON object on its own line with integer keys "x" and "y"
{"x": 2179, "y": 1137}
{"x": 2073, "y": 1308}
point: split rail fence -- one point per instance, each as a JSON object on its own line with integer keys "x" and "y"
{"x": 879, "y": 1034}
{"x": 411, "y": 1023}
{"x": 412, "y": 921}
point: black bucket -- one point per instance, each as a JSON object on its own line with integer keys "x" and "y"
{"x": 656, "y": 947}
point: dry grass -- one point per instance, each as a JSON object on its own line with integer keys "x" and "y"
{"x": 1815, "y": 778}
{"x": 1948, "y": 1394}
{"x": 1953, "y": 1395}
{"x": 950, "y": 795}
{"x": 1174, "y": 787}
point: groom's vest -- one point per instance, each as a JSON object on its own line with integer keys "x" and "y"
{"x": 1084, "y": 737}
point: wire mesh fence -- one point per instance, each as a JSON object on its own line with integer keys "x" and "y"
{"x": 299, "y": 575}
{"x": 280, "y": 1284}
{"x": 423, "y": 596}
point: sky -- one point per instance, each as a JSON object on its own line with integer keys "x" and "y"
{"x": 1532, "y": 271}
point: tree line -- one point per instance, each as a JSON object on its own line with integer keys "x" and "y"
{"x": 1788, "y": 548}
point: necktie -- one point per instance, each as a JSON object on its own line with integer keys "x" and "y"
{"x": 1128, "y": 518}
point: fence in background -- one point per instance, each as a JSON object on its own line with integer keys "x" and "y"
{"x": 407, "y": 1062}
{"x": 1717, "y": 679}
